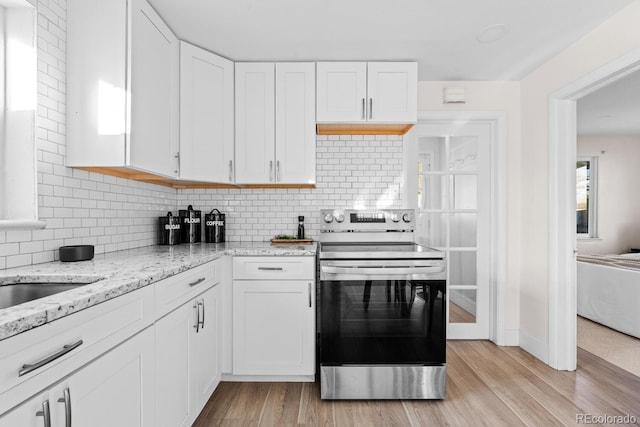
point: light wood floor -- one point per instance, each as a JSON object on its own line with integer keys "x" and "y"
{"x": 486, "y": 385}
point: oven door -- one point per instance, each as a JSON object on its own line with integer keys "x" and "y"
{"x": 374, "y": 314}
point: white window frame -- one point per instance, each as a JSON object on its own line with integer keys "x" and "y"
{"x": 18, "y": 176}
{"x": 592, "y": 232}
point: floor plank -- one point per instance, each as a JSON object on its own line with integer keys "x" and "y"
{"x": 486, "y": 385}
{"x": 282, "y": 405}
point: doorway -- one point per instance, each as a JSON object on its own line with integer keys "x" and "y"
{"x": 451, "y": 180}
{"x": 562, "y": 206}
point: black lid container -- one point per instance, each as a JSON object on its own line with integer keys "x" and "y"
{"x": 168, "y": 230}
{"x": 190, "y": 227}
{"x": 214, "y": 225}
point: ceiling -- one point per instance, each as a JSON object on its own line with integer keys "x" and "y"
{"x": 611, "y": 110}
{"x": 442, "y": 35}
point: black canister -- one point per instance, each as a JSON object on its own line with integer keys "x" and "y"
{"x": 190, "y": 225}
{"x": 169, "y": 230}
{"x": 214, "y": 224}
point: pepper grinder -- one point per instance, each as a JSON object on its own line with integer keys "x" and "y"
{"x": 300, "y": 227}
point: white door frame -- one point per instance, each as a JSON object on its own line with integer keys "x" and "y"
{"x": 498, "y": 331}
{"x": 562, "y": 218}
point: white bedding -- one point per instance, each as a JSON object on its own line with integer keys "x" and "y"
{"x": 609, "y": 291}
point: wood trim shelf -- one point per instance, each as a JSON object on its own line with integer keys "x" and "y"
{"x": 137, "y": 175}
{"x": 363, "y": 128}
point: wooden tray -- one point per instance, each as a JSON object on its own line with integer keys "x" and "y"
{"x": 292, "y": 241}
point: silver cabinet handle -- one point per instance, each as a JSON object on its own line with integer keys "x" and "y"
{"x": 177, "y": 157}
{"x": 197, "y": 325}
{"x": 270, "y": 268}
{"x": 270, "y": 170}
{"x": 230, "y": 170}
{"x": 277, "y": 170}
{"x": 364, "y": 109}
{"x": 197, "y": 282}
{"x": 202, "y": 314}
{"x": 66, "y": 399}
{"x": 309, "y": 294}
{"x": 370, "y": 108}
{"x": 46, "y": 413}
{"x": 30, "y": 367}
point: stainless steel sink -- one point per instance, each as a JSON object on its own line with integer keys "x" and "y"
{"x": 24, "y": 289}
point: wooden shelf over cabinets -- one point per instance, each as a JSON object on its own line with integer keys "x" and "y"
{"x": 123, "y": 172}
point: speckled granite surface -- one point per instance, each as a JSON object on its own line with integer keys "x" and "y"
{"x": 119, "y": 273}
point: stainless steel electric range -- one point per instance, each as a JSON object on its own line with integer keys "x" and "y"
{"x": 381, "y": 308}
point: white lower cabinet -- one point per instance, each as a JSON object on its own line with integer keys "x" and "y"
{"x": 273, "y": 317}
{"x": 273, "y": 328}
{"x": 188, "y": 365}
{"x": 147, "y": 358}
{"x": 113, "y": 390}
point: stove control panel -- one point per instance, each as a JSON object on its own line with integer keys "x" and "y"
{"x": 337, "y": 220}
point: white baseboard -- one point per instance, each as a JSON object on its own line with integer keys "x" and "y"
{"x": 534, "y": 346}
{"x": 510, "y": 338}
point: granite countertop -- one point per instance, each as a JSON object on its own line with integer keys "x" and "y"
{"x": 119, "y": 272}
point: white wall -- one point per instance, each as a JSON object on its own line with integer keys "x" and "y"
{"x": 609, "y": 41}
{"x": 492, "y": 97}
{"x": 618, "y": 202}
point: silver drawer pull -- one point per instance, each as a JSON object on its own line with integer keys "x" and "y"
{"x": 30, "y": 367}
{"x": 197, "y": 282}
{"x": 271, "y": 268}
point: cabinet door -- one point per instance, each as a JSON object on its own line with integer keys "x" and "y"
{"x": 295, "y": 123}
{"x": 154, "y": 59}
{"x": 206, "y": 115}
{"x": 174, "y": 335}
{"x": 96, "y": 66}
{"x": 273, "y": 327}
{"x": 393, "y": 92}
{"x": 31, "y": 413}
{"x": 255, "y": 118}
{"x": 206, "y": 365}
{"x": 342, "y": 92}
{"x": 116, "y": 389}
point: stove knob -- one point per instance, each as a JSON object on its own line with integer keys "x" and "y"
{"x": 340, "y": 217}
{"x": 408, "y": 217}
{"x": 328, "y": 217}
{"x": 395, "y": 217}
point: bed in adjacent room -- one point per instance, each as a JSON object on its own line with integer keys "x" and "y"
{"x": 609, "y": 291}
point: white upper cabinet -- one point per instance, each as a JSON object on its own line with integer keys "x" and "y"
{"x": 206, "y": 116}
{"x": 123, "y": 64}
{"x": 342, "y": 91}
{"x": 367, "y": 92}
{"x": 295, "y": 123}
{"x": 255, "y": 122}
{"x": 275, "y": 127}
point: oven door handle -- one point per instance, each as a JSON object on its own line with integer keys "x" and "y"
{"x": 382, "y": 271}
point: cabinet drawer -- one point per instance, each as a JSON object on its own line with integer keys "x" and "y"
{"x": 176, "y": 290}
{"x": 77, "y": 339}
{"x": 274, "y": 267}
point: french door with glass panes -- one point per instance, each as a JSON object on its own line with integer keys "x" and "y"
{"x": 454, "y": 215}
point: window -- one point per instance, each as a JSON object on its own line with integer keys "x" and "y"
{"x": 586, "y": 193}
{"x": 18, "y": 187}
